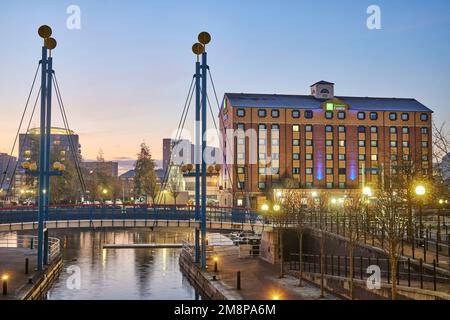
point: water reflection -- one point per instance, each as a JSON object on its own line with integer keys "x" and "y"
{"x": 122, "y": 273}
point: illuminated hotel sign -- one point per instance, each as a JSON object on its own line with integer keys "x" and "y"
{"x": 335, "y": 105}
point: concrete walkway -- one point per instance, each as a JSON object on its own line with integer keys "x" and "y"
{"x": 259, "y": 279}
{"x": 12, "y": 264}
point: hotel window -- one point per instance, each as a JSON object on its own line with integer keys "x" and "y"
{"x": 329, "y": 171}
{"x": 241, "y": 156}
{"x": 424, "y": 158}
{"x": 240, "y": 170}
{"x": 309, "y": 156}
{"x": 309, "y": 143}
{"x": 373, "y": 129}
{"x": 261, "y": 185}
{"x": 341, "y": 157}
{"x": 393, "y": 144}
{"x": 275, "y": 113}
{"x": 296, "y": 156}
{"x": 329, "y": 129}
{"x": 295, "y": 170}
{"x": 405, "y": 130}
{"x": 362, "y": 157}
{"x": 394, "y": 157}
{"x": 373, "y": 116}
{"x": 329, "y": 156}
{"x": 362, "y": 143}
{"x": 262, "y": 127}
{"x": 308, "y": 128}
{"x": 262, "y": 142}
{"x": 342, "y": 185}
{"x": 341, "y": 115}
{"x": 361, "y": 115}
{"x": 362, "y": 129}
{"x": 262, "y": 113}
{"x": 424, "y": 117}
{"x": 295, "y": 114}
{"x": 309, "y": 170}
{"x": 405, "y": 144}
{"x": 393, "y": 130}
{"x": 240, "y": 113}
{"x": 374, "y": 157}
{"x": 424, "y": 130}
{"x": 329, "y": 143}
{"x": 308, "y": 114}
{"x": 262, "y": 170}
{"x": 329, "y": 115}
{"x": 341, "y": 143}
{"x": 392, "y": 116}
{"x": 406, "y": 157}
{"x": 341, "y": 129}
{"x": 329, "y": 185}
{"x": 424, "y": 144}
{"x": 374, "y": 143}
{"x": 295, "y": 128}
{"x": 295, "y": 142}
{"x": 240, "y": 141}
{"x": 275, "y": 142}
{"x": 342, "y": 171}
{"x": 262, "y": 156}
{"x": 405, "y": 116}
{"x": 241, "y": 126}
{"x": 308, "y": 185}
{"x": 275, "y": 156}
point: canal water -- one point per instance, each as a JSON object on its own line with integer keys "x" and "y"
{"x": 93, "y": 273}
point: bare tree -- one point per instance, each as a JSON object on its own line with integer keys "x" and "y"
{"x": 353, "y": 212}
{"x": 292, "y": 205}
{"x": 390, "y": 211}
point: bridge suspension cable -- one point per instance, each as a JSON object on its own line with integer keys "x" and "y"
{"x": 227, "y": 168}
{"x": 68, "y": 131}
{"x": 5, "y": 173}
{"x": 178, "y": 134}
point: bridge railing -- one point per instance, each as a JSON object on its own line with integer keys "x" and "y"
{"x": 113, "y": 212}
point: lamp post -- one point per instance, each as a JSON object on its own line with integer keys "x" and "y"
{"x": 367, "y": 192}
{"x": 420, "y": 192}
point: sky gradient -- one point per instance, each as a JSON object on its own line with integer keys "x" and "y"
{"x": 125, "y": 75}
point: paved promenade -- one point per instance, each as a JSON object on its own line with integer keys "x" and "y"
{"x": 12, "y": 264}
{"x": 259, "y": 279}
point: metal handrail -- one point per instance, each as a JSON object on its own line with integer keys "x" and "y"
{"x": 30, "y": 242}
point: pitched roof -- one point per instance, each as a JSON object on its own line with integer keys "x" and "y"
{"x": 249, "y": 100}
{"x": 322, "y": 82}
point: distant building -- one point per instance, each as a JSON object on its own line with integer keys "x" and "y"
{"x": 320, "y": 141}
{"x": 66, "y": 142}
{"x": 6, "y": 172}
{"x": 127, "y": 182}
{"x": 107, "y": 168}
{"x": 444, "y": 166}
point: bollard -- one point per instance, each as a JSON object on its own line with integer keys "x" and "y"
{"x": 32, "y": 243}
{"x": 413, "y": 246}
{"x": 421, "y": 273}
{"x": 424, "y": 252}
{"x": 345, "y": 266}
{"x": 409, "y": 272}
{"x": 5, "y": 285}
{"x": 434, "y": 276}
{"x": 238, "y": 280}
{"x": 27, "y": 263}
{"x": 402, "y": 247}
{"x": 215, "y": 264}
{"x": 437, "y": 253}
{"x": 361, "y": 267}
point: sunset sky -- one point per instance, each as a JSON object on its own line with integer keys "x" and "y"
{"x": 125, "y": 74}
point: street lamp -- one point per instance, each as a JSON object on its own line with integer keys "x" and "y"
{"x": 367, "y": 192}
{"x": 420, "y": 191}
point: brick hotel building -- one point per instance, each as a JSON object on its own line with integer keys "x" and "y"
{"x": 321, "y": 141}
